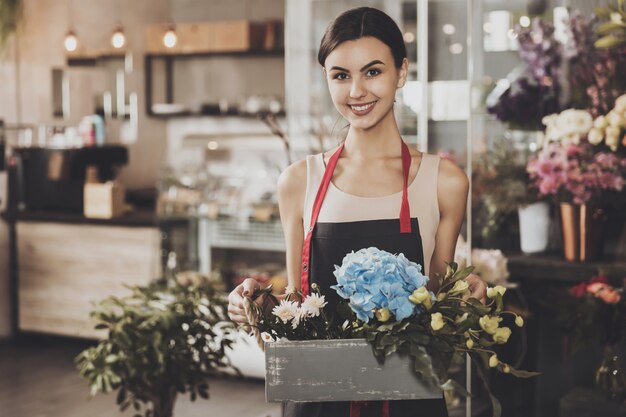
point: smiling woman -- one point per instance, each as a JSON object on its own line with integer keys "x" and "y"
{"x": 372, "y": 191}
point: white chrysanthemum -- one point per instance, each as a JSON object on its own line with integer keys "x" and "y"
{"x": 312, "y": 304}
{"x": 299, "y": 317}
{"x": 286, "y": 310}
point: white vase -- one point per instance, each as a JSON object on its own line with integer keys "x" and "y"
{"x": 534, "y": 224}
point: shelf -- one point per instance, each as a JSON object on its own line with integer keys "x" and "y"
{"x": 169, "y": 59}
{"x": 278, "y": 53}
{"x": 196, "y": 114}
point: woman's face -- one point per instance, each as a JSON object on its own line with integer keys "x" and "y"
{"x": 362, "y": 80}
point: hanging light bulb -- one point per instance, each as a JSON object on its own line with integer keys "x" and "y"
{"x": 118, "y": 39}
{"x": 170, "y": 38}
{"x": 71, "y": 41}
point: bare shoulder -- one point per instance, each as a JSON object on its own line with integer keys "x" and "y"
{"x": 292, "y": 181}
{"x": 452, "y": 188}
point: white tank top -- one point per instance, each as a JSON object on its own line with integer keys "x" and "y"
{"x": 340, "y": 207}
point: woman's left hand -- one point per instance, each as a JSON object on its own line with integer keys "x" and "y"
{"x": 477, "y": 287}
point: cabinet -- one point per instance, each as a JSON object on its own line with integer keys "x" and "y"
{"x": 63, "y": 268}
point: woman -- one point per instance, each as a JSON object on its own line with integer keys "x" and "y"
{"x": 349, "y": 198}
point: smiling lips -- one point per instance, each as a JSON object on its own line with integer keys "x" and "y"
{"x": 362, "y": 109}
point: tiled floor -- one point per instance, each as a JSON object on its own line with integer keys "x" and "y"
{"x": 38, "y": 379}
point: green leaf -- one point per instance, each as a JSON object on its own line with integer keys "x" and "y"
{"x": 608, "y": 27}
{"x": 423, "y": 365}
{"x": 609, "y": 41}
{"x": 481, "y": 370}
{"x": 523, "y": 374}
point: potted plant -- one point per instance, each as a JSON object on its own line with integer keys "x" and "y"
{"x": 504, "y": 190}
{"x": 164, "y": 339}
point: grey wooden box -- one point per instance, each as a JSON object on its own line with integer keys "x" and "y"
{"x": 338, "y": 370}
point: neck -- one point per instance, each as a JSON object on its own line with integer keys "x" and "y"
{"x": 379, "y": 141}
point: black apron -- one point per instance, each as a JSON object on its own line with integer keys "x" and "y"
{"x": 325, "y": 246}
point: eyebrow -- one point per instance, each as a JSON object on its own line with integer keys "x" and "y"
{"x": 366, "y": 66}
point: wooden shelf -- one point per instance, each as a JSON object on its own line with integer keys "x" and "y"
{"x": 169, "y": 59}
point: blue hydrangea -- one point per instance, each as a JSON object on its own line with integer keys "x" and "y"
{"x": 372, "y": 278}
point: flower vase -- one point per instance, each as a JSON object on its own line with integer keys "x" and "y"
{"x": 534, "y": 224}
{"x": 583, "y": 232}
{"x": 611, "y": 374}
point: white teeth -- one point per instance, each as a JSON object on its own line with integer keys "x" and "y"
{"x": 362, "y": 108}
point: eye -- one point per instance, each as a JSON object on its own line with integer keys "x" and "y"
{"x": 340, "y": 76}
{"x": 372, "y": 72}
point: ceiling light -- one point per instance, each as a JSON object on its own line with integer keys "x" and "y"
{"x": 170, "y": 38}
{"x": 71, "y": 41}
{"x": 448, "y": 29}
{"x": 118, "y": 39}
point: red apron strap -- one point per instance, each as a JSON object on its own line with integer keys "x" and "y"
{"x": 317, "y": 205}
{"x": 355, "y": 408}
{"x": 405, "y": 212}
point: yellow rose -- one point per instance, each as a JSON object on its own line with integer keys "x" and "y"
{"x": 383, "y": 314}
{"x": 469, "y": 343}
{"x": 595, "y": 136}
{"x": 519, "y": 321}
{"x": 441, "y": 296}
{"x": 493, "y": 361}
{"x": 501, "y": 335}
{"x": 459, "y": 287}
{"x": 436, "y": 321}
{"x": 498, "y": 289}
{"x": 600, "y": 122}
{"x": 421, "y": 296}
{"x": 506, "y": 369}
{"x": 489, "y": 323}
{"x": 620, "y": 103}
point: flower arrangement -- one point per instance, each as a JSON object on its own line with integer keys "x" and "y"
{"x": 501, "y": 184}
{"x": 581, "y": 160}
{"x": 580, "y": 72}
{"x": 595, "y": 313}
{"x": 385, "y": 300}
{"x": 162, "y": 339}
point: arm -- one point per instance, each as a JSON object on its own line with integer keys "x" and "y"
{"x": 452, "y": 191}
{"x": 291, "y": 192}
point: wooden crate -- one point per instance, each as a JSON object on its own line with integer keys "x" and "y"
{"x": 338, "y": 370}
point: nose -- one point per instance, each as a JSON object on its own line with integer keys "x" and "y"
{"x": 357, "y": 89}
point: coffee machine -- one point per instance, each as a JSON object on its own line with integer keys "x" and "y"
{"x": 47, "y": 179}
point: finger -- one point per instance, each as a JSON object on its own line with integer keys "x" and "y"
{"x": 249, "y": 285}
{"x": 232, "y": 309}
{"x": 238, "y": 318}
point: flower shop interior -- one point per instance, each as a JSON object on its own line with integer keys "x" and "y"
{"x": 141, "y": 142}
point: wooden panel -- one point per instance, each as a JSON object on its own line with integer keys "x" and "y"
{"x": 338, "y": 370}
{"x": 63, "y": 268}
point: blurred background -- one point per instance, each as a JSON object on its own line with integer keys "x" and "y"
{"x": 142, "y": 140}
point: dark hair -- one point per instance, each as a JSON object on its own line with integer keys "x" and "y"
{"x": 358, "y": 23}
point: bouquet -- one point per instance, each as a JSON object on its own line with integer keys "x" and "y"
{"x": 595, "y": 313}
{"x": 581, "y": 160}
{"x": 386, "y": 301}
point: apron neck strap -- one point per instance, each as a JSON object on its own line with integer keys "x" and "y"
{"x": 405, "y": 211}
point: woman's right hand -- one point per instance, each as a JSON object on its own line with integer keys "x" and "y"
{"x": 235, "y": 300}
